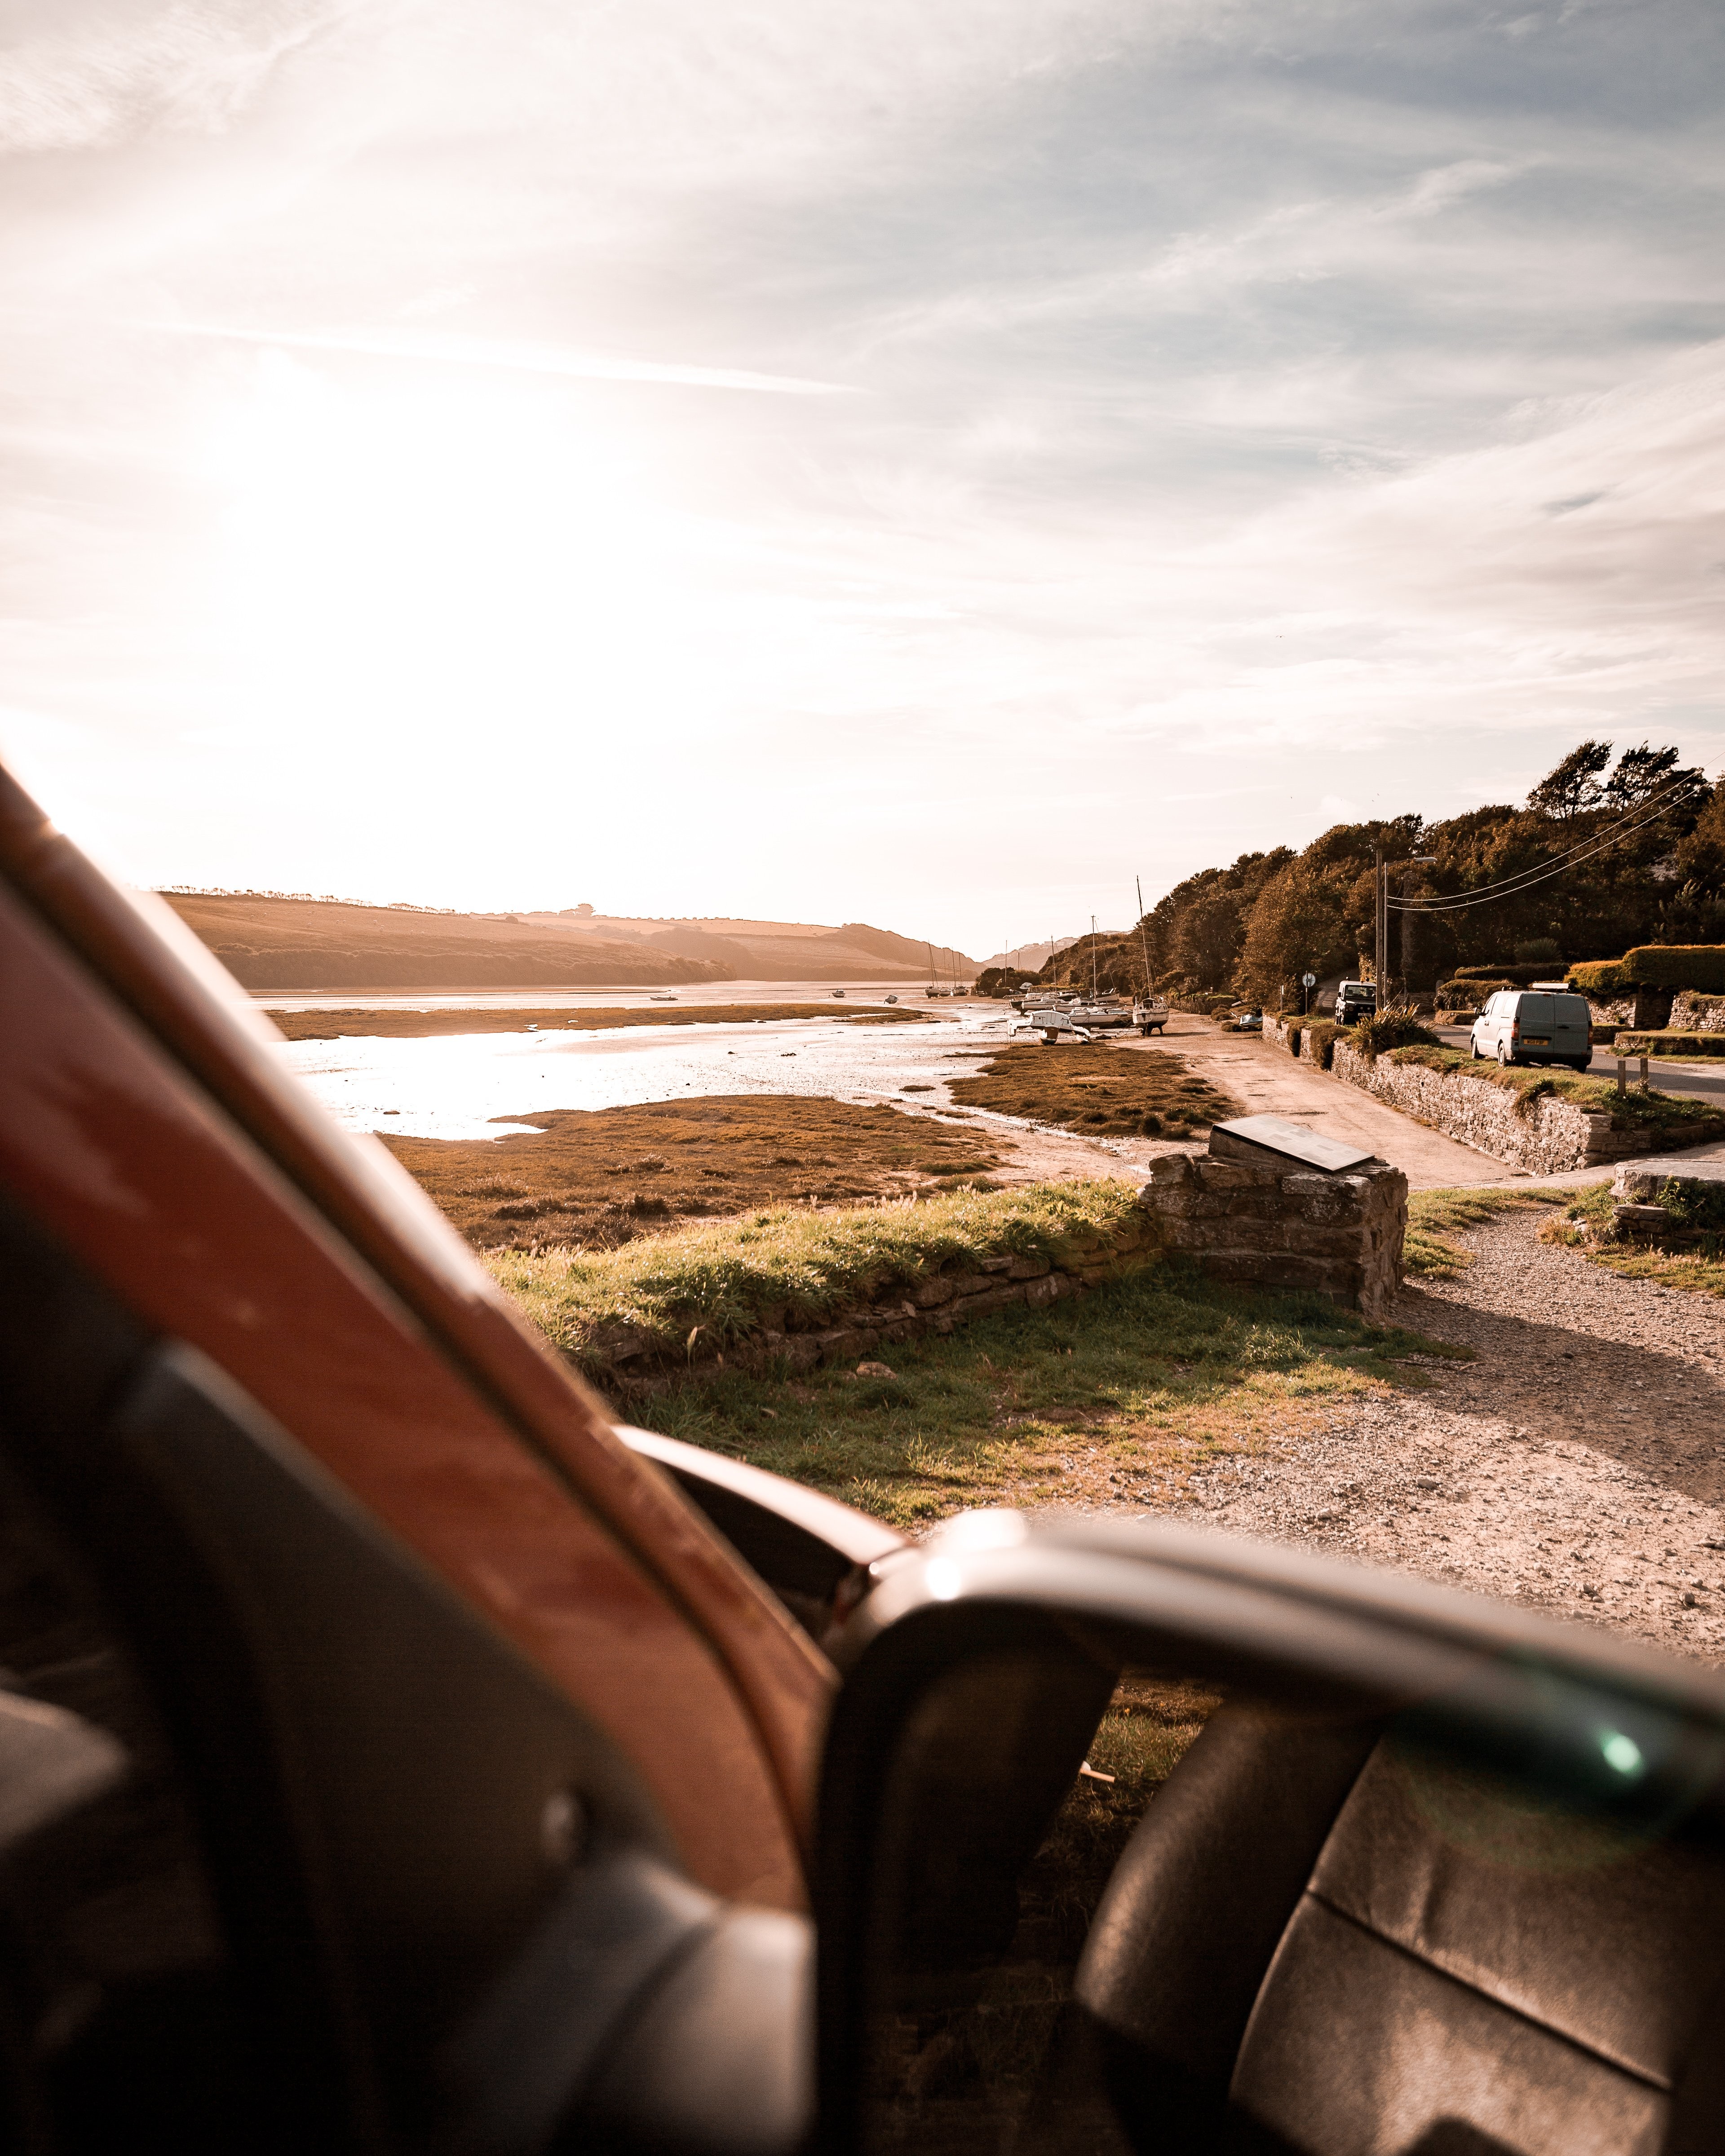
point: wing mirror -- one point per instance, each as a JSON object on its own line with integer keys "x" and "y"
{"x": 1140, "y": 1839}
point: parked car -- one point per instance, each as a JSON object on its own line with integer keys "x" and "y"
{"x": 1519, "y": 1025}
{"x": 1355, "y": 1000}
{"x": 1251, "y": 1021}
{"x": 397, "y": 1757}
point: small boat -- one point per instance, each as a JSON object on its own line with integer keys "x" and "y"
{"x": 839, "y": 994}
{"x": 1100, "y": 1017}
{"x": 661, "y": 999}
{"x": 892, "y": 999}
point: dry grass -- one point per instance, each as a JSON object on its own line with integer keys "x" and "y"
{"x": 1428, "y": 1252}
{"x": 598, "y": 1177}
{"x": 1130, "y": 1392}
{"x": 1103, "y": 1092}
{"x": 1691, "y": 1256}
{"x": 362, "y": 1025}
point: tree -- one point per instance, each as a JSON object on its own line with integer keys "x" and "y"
{"x": 1299, "y": 925}
{"x": 1207, "y": 938}
{"x": 1573, "y": 787}
{"x": 1642, "y": 772}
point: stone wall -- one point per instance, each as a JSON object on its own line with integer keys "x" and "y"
{"x": 1639, "y": 1009}
{"x": 1548, "y": 1136}
{"x": 1258, "y": 1224}
{"x": 627, "y": 1362}
{"x": 1693, "y": 1014}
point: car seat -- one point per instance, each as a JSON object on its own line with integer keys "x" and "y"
{"x": 1334, "y": 1941}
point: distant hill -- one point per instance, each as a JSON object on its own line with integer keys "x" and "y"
{"x": 272, "y": 942}
{"x": 1030, "y": 957}
{"x": 778, "y": 950}
{"x": 310, "y": 943}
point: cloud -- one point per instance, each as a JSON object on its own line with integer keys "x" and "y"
{"x": 193, "y": 67}
{"x": 519, "y": 358}
{"x": 1174, "y": 422}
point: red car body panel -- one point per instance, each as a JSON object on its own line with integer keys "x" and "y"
{"x": 144, "y": 1118}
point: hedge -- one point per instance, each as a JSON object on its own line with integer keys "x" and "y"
{"x": 1507, "y": 976}
{"x": 1697, "y": 965}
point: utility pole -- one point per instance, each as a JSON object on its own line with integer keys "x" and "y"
{"x": 1378, "y": 913}
{"x": 1380, "y": 963}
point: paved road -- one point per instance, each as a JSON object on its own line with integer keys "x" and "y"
{"x": 1266, "y": 1080}
{"x": 1666, "y": 1075}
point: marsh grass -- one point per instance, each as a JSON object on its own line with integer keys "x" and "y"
{"x": 592, "y": 1176}
{"x": 1433, "y": 1214}
{"x": 1691, "y": 1256}
{"x": 1103, "y": 1092}
{"x": 1127, "y": 1391}
{"x": 360, "y": 1024}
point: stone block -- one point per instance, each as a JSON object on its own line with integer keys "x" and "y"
{"x": 1229, "y": 1174}
{"x": 987, "y": 1299}
{"x": 930, "y": 1293}
{"x": 1027, "y": 1269}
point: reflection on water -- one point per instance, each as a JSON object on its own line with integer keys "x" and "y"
{"x": 454, "y": 1085}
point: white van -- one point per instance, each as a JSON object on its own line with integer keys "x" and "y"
{"x": 1520, "y": 1026}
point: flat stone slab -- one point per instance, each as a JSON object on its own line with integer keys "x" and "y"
{"x": 1639, "y": 1180}
{"x": 1275, "y": 1134}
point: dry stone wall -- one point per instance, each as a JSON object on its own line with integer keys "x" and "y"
{"x": 627, "y": 1362}
{"x": 1548, "y": 1136}
{"x": 1255, "y": 1223}
{"x": 1693, "y": 1014}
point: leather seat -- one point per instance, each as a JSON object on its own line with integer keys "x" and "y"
{"x": 1326, "y": 1941}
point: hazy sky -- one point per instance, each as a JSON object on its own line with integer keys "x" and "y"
{"x": 922, "y": 461}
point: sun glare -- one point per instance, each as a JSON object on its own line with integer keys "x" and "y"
{"x": 452, "y": 556}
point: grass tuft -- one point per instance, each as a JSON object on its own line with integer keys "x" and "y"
{"x": 1691, "y": 1256}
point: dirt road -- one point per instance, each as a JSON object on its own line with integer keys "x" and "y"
{"x": 1577, "y": 1465}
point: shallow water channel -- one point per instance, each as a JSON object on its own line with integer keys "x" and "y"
{"x": 457, "y": 1085}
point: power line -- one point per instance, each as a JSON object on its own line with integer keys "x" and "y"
{"x": 1644, "y": 813}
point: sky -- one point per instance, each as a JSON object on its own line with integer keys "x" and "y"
{"x": 922, "y": 463}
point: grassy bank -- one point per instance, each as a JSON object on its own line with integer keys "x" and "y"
{"x": 1101, "y": 1091}
{"x": 362, "y": 1025}
{"x": 595, "y": 1177}
{"x": 1662, "y": 1112}
{"x": 730, "y": 1278}
{"x": 1130, "y": 1392}
{"x": 1434, "y": 1215}
{"x": 1691, "y": 1256}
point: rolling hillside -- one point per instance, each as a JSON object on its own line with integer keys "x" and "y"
{"x": 271, "y": 942}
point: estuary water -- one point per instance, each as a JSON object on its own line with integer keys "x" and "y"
{"x": 458, "y": 1086}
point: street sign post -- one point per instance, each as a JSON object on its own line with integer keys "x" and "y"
{"x": 1308, "y": 982}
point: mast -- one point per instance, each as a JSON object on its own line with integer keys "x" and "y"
{"x": 1143, "y": 940}
{"x": 1093, "y": 958}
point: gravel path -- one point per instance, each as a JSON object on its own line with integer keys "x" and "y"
{"x": 1577, "y": 1465}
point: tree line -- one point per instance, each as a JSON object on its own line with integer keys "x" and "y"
{"x": 1635, "y": 843}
